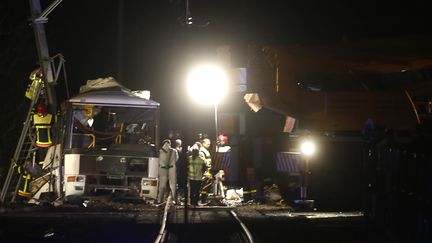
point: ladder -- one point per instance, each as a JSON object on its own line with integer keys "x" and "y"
{"x": 26, "y": 143}
{"x": 24, "y": 149}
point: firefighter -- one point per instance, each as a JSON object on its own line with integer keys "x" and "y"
{"x": 42, "y": 121}
{"x": 167, "y": 170}
{"x": 221, "y": 162}
{"x": 222, "y": 142}
{"x": 182, "y": 165}
{"x": 207, "y": 177}
{"x": 195, "y": 174}
{"x": 205, "y": 153}
{"x": 36, "y": 78}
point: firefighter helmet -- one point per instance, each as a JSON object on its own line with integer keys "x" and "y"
{"x": 222, "y": 137}
{"x": 41, "y": 109}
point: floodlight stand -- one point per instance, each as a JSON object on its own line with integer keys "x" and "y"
{"x": 305, "y": 179}
{"x": 303, "y": 203}
{"x": 216, "y": 124}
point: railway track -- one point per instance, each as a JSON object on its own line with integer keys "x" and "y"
{"x": 169, "y": 224}
{"x": 203, "y": 224}
{"x": 163, "y": 230}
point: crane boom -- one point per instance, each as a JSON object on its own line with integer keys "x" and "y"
{"x": 38, "y": 19}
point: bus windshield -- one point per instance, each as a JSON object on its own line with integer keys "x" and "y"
{"x": 104, "y": 126}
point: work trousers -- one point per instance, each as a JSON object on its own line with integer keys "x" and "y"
{"x": 195, "y": 186}
{"x": 167, "y": 176}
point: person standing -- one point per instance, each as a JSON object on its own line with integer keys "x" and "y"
{"x": 204, "y": 153}
{"x": 195, "y": 175}
{"x": 167, "y": 171}
{"x": 178, "y": 145}
{"x": 42, "y": 122}
{"x": 182, "y": 165}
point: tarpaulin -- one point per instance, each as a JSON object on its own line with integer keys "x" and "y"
{"x": 288, "y": 162}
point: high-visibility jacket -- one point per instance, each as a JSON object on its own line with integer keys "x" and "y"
{"x": 31, "y": 89}
{"x": 206, "y": 156}
{"x": 43, "y": 130}
{"x": 196, "y": 168}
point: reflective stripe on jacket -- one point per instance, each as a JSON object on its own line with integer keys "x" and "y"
{"x": 43, "y": 130}
{"x": 207, "y": 157}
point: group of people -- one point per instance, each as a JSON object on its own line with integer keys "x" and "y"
{"x": 199, "y": 163}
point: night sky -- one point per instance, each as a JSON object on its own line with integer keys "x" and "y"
{"x": 154, "y": 46}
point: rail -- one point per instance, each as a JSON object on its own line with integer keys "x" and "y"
{"x": 162, "y": 231}
{"x": 245, "y": 229}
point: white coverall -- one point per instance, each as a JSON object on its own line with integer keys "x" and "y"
{"x": 167, "y": 171}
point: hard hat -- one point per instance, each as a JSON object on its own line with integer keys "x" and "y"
{"x": 41, "y": 109}
{"x": 223, "y": 138}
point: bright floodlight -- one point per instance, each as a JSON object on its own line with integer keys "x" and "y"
{"x": 207, "y": 83}
{"x": 307, "y": 148}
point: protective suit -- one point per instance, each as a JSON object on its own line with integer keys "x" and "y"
{"x": 167, "y": 170}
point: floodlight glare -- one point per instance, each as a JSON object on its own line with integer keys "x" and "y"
{"x": 207, "y": 83}
{"x": 307, "y": 148}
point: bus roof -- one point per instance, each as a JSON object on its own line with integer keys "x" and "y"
{"x": 113, "y": 97}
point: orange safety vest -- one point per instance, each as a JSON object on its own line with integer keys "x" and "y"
{"x": 43, "y": 130}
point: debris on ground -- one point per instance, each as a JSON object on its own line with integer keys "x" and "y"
{"x": 234, "y": 197}
{"x": 272, "y": 194}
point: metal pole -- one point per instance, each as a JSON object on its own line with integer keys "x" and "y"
{"x": 216, "y": 124}
{"x": 303, "y": 188}
{"x": 50, "y": 8}
{"x": 120, "y": 40}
